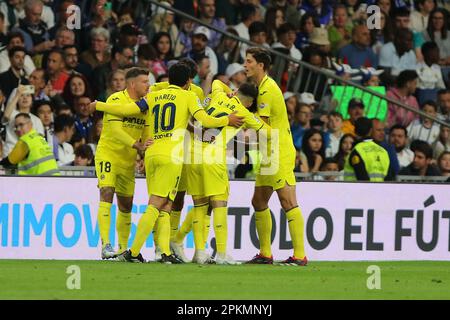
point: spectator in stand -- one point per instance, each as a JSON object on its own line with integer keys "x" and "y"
{"x": 76, "y": 86}
{"x": 356, "y": 10}
{"x": 404, "y": 92}
{"x": 303, "y": 115}
{"x": 15, "y": 39}
{"x": 116, "y": 83}
{"x": 64, "y": 37}
{"x": 83, "y": 118}
{"x": 34, "y": 30}
{"x": 236, "y": 73}
{"x": 308, "y": 22}
{"x": 291, "y": 101}
{"x": 55, "y": 70}
{"x": 95, "y": 132}
{"x": 314, "y": 149}
{"x": 329, "y": 165}
{"x": 291, "y": 9}
{"x": 355, "y": 111}
{"x": 378, "y": 136}
{"x": 425, "y": 129}
{"x": 229, "y": 51}
{"x": 163, "y": 45}
{"x": 37, "y": 80}
{"x": 335, "y": 123}
{"x": 422, "y": 163}
{"x": 3, "y": 38}
{"x": 340, "y": 33}
{"x": 258, "y": 34}
{"x": 398, "y": 55}
{"x": 83, "y": 156}
{"x": 207, "y": 11}
{"x": 121, "y": 58}
{"x": 199, "y": 48}
{"x": 442, "y": 144}
{"x": 319, "y": 40}
{"x": 320, "y": 8}
{"x": 345, "y": 147}
{"x": 21, "y": 103}
{"x": 12, "y": 11}
{"x": 162, "y": 21}
{"x": 15, "y": 74}
{"x": 129, "y": 37}
{"x": 183, "y": 43}
{"x": 419, "y": 17}
{"x": 273, "y": 20}
{"x": 62, "y": 15}
{"x": 72, "y": 65}
{"x": 383, "y": 35}
{"x": 444, "y": 163}
{"x": 249, "y": 14}
{"x": 286, "y": 35}
{"x": 64, "y": 127}
{"x": 398, "y": 136}
{"x": 437, "y": 31}
{"x": 44, "y": 110}
{"x": 385, "y": 5}
{"x": 204, "y": 75}
{"x": 443, "y": 100}
{"x": 359, "y": 53}
{"x": 430, "y": 74}
{"x": 98, "y": 52}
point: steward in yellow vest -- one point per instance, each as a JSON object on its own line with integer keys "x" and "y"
{"x": 32, "y": 153}
{"x": 368, "y": 161}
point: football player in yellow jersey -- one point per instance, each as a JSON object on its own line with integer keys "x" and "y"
{"x": 276, "y": 175}
{"x": 115, "y": 159}
{"x": 168, "y": 114}
{"x": 214, "y": 188}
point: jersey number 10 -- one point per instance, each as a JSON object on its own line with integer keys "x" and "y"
{"x": 161, "y": 117}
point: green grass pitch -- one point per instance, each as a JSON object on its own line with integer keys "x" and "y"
{"x": 46, "y": 279}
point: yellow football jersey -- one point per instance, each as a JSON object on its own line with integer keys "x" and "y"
{"x": 271, "y": 105}
{"x": 119, "y": 133}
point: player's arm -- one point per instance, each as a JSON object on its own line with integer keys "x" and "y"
{"x": 264, "y": 106}
{"x": 159, "y": 86}
{"x": 358, "y": 166}
{"x": 121, "y": 135}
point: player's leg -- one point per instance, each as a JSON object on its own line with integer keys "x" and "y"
{"x": 288, "y": 201}
{"x": 201, "y": 204}
{"x": 263, "y": 220}
{"x": 175, "y": 214}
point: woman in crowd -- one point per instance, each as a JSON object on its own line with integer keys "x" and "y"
{"x": 116, "y": 82}
{"x": 340, "y": 33}
{"x": 76, "y": 86}
{"x": 437, "y": 31}
{"x": 379, "y": 37}
{"x": 163, "y": 45}
{"x": 345, "y": 147}
{"x": 314, "y": 149}
{"x": 273, "y": 20}
{"x": 307, "y": 24}
{"x": 444, "y": 163}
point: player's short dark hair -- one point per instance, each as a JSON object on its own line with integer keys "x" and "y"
{"x": 84, "y": 151}
{"x": 192, "y": 66}
{"x": 179, "y": 74}
{"x": 23, "y": 114}
{"x": 405, "y": 76}
{"x": 363, "y": 126}
{"x": 63, "y": 121}
{"x": 135, "y": 72}
{"x": 257, "y": 27}
{"x": 249, "y": 90}
{"x": 398, "y": 127}
{"x": 13, "y": 50}
{"x": 261, "y": 56}
{"x": 422, "y": 146}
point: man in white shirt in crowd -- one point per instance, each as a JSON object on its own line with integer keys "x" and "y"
{"x": 443, "y": 100}
{"x": 425, "y": 129}
{"x": 335, "y": 131}
{"x": 64, "y": 129}
{"x": 249, "y": 14}
{"x": 398, "y": 136}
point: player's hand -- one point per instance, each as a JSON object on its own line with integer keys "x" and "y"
{"x": 235, "y": 120}
{"x": 232, "y": 94}
{"x": 139, "y": 146}
{"x": 148, "y": 143}
{"x": 92, "y": 106}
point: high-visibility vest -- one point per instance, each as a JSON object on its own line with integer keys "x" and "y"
{"x": 255, "y": 160}
{"x": 40, "y": 159}
{"x": 376, "y": 161}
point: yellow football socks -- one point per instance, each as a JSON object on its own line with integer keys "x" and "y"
{"x": 206, "y": 226}
{"x": 263, "y": 221}
{"x": 185, "y": 228}
{"x": 198, "y": 226}
{"x": 296, "y": 229}
{"x": 174, "y": 223}
{"x": 145, "y": 226}
{"x": 104, "y": 221}
{"x": 220, "y": 228}
{"x": 164, "y": 232}
{"x": 123, "y": 227}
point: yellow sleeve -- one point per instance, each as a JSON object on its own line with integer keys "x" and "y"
{"x": 159, "y": 86}
{"x": 120, "y": 134}
{"x": 219, "y": 89}
{"x": 19, "y": 152}
{"x": 147, "y": 133}
{"x": 198, "y": 91}
{"x": 210, "y": 122}
{"x": 117, "y": 109}
{"x": 251, "y": 121}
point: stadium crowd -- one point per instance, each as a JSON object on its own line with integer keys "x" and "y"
{"x": 409, "y": 55}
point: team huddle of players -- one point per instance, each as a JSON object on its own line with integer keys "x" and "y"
{"x": 181, "y": 159}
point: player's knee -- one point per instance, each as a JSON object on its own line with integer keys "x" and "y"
{"x": 125, "y": 206}
{"x": 288, "y": 204}
{"x": 107, "y": 194}
{"x": 258, "y": 204}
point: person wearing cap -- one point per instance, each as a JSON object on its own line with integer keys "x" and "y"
{"x": 308, "y": 99}
{"x": 236, "y": 73}
{"x": 359, "y": 53}
{"x": 291, "y": 101}
{"x": 367, "y": 161}
{"x": 200, "y": 47}
{"x": 355, "y": 111}
{"x": 319, "y": 40}
{"x": 207, "y": 10}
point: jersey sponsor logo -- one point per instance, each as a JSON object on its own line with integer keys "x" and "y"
{"x": 163, "y": 135}
{"x": 134, "y": 120}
